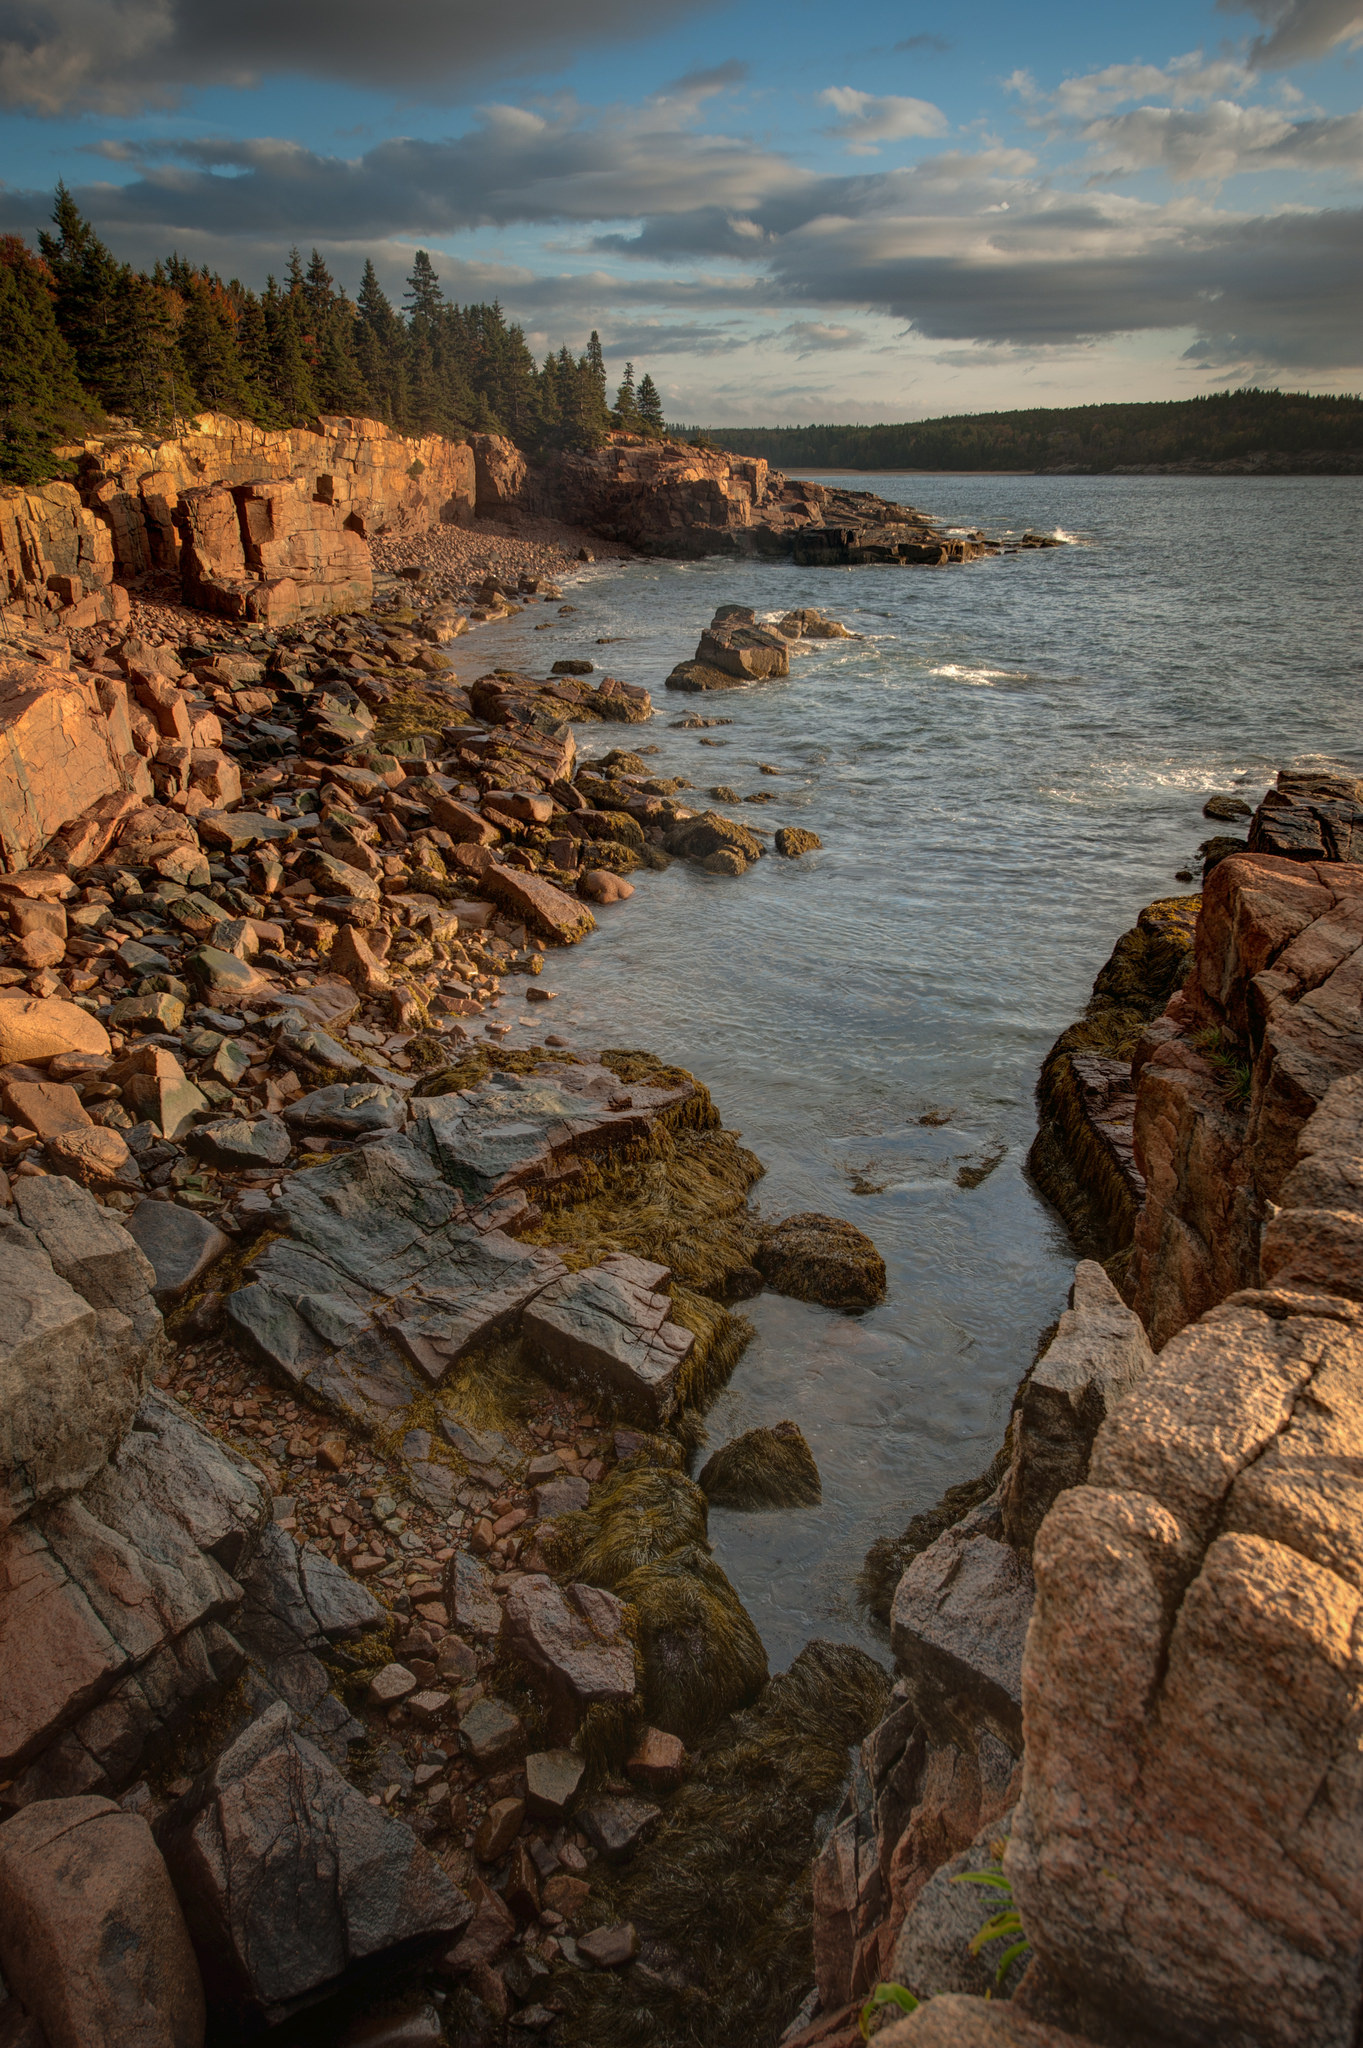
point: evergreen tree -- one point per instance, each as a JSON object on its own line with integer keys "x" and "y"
{"x": 208, "y": 348}
{"x": 291, "y": 382}
{"x": 90, "y": 300}
{"x": 381, "y": 352}
{"x": 41, "y": 401}
{"x": 626, "y": 403}
{"x": 424, "y": 296}
{"x": 651, "y": 409}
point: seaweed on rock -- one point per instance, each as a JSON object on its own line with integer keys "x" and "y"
{"x": 699, "y": 1653}
{"x": 721, "y": 1893}
{"x": 763, "y": 1468}
{"x": 635, "y": 1518}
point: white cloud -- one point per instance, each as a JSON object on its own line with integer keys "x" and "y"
{"x": 1223, "y": 140}
{"x": 868, "y": 120}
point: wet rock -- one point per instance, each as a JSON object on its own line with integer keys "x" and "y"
{"x": 604, "y": 887}
{"x": 824, "y": 1259}
{"x": 545, "y": 909}
{"x": 742, "y": 649}
{"x": 552, "y": 1778}
{"x": 615, "y": 1823}
{"x": 92, "y": 1938}
{"x": 491, "y": 1734}
{"x": 241, "y": 1142}
{"x": 793, "y": 840}
{"x": 1227, "y": 808}
{"x": 1099, "y": 1352}
{"x": 1311, "y": 816}
{"x": 289, "y": 1878}
{"x": 180, "y": 1243}
{"x": 36, "y": 1028}
{"x": 810, "y": 624}
{"x": 608, "y": 1327}
{"x": 763, "y": 1468}
{"x": 699, "y": 839}
{"x": 572, "y": 1642}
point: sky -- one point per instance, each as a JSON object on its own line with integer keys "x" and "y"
{"x": 784, "y": 210}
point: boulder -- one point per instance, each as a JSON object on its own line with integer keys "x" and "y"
{"x": 1188, "y": 1836}
{"x": 763, "y": 1468}
{"x": 958, "y": 1627}
{"x": 58, "y": 755}
{"x": 700, "y": 1656}
{"x": 616, "y": 1823}
{"x": 608, "y": 1327}
{"x": 604, "y": 887}
{"x": 700, "y": 839}
{"x": 1100, "y": 1350}
{"x": 241, "y": 1142}
{"x": 572, "y": 1641}
{"x": 35, "y": 1029}
{"x": 824, "y": 1259}
{"x": 347, "y": 1108}
{"x": 744, "y": 650}
{"x": 545, "y": 909}
{"x": 92, "y": 1938}
{"x": 793, "y": 840}
{"x": 70, "y": 1380}
{"x": 552, "y": 1778}
{"x": 289, "y": 1879}
{"x": 180, "y": 1244}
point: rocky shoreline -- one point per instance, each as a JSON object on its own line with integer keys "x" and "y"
{"x": 395, "y": 1340}
{"x": 369, "y": 1676}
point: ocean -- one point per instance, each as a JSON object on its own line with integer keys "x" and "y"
{"x": 1008, "y": 763}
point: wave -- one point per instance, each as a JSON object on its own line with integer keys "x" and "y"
{"x": 979, "y": 678}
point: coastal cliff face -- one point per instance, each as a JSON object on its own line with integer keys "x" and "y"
{"x": 1129, "y": 1679}
{"x": 271, "y": 526}
{"x": 668, "y": 498}
{"x": 268, "y": 526}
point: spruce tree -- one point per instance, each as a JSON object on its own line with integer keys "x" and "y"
{"x": 651, "y": 409}
{"x": 208, "y": 347}
{"x": 626, "y": 403}
{"x": 41, "y": 400}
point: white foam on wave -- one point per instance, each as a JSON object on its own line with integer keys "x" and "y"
{"x": 979, "y": 678}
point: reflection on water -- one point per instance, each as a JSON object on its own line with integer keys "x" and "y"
{"x": 1009, "y": 763}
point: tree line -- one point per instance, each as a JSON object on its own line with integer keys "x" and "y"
{"x": 84, "y": 337}
{"x": 1229, "y": 426}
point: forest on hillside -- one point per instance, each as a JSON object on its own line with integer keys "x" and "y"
{"x": 1232, "y": 426}
{"x": 85, "y": 338}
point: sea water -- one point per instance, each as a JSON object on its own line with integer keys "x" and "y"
{"x": 1009, "y": 762}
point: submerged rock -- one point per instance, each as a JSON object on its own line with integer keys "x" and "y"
{"x": 824, "y": 1259}
{"x": 763, "y": 1468}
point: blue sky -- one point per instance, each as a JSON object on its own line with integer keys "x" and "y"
{"x": 786, "y": 212}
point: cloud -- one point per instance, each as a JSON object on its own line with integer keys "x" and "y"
{"x": 121, "y": 56}
{"x": 704, "y": 233}
{"x": 1300, "y": 31}
{"x": 867, "y": 120}
{"x": 1222, "y": 141}
{"x": 1182, "y": 82}
{"x": 936, "y": 46}
{"x": 702, "y": 85}
{"x": 817, "y": 337}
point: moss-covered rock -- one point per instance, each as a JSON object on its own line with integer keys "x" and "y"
{"x": 700, "y": 1656}
{"x": 636, "y": 1517}
{"x": 763, "y": 1468}
{"x": 824, "y": 1259}
{"x": 724, "y": 1881}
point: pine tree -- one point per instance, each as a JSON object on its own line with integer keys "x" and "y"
{"x": 291, "y": 381}
{"x": 651, "y": 409}
{"x": 381, "y": 352}
{"x": 90, "y": 298}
